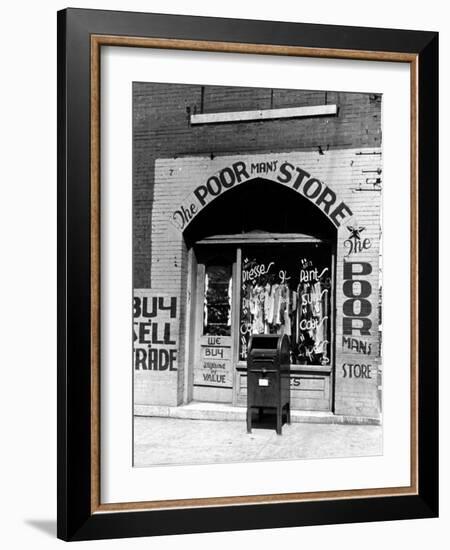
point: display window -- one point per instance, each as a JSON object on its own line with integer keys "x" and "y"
{"x": 286, "y": 289}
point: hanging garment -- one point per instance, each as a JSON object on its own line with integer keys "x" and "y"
{"x": 271, "y": 305}
{"x": 292, "y": 315}
{"x": 287, "y": 323}
{"x": 286, "y": 317}
{"x": 283, "y": 299}
{"x": 267, "y": 289}
{"x": 320, "y": 330}
{"x": 277, "y": 305}
{"x": 251, "y": 300}
{"x": 284, "y": 305}
{"x": 294, "y": 301}
{"x": 258, "y": 319}
{"x": 316, "y": 299}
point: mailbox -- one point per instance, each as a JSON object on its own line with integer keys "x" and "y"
{"x": 268, "y": 377}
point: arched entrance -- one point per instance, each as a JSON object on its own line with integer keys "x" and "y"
{"x": 262, "y": 260}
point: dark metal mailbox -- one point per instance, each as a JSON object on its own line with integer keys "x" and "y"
{"x": 268, "y": 377}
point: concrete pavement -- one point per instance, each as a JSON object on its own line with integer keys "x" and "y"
{"x": 160, "y": 441}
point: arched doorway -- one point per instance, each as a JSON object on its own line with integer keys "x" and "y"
{"x": 262, "y": 260}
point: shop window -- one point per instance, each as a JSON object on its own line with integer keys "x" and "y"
{"x": 217, "y": 301}
{"x": 287, "y": 290}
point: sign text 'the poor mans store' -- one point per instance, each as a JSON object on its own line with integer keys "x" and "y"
{"x": 285, "y": 173}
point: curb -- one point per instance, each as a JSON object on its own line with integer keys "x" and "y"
{"x": 214, "y": 411}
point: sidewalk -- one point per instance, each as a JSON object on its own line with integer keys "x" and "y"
{"x": 160, "y": 441}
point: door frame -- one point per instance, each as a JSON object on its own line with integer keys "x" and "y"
{"x": 194, "y": 312}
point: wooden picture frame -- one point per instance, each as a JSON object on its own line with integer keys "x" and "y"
{"x": 81, "y": 35}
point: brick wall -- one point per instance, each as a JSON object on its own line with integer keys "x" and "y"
{"x": 162, "y": 129}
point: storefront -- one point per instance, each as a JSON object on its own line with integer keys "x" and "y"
{"x": 285, "y": 243}
{"x": 277, "y": 284}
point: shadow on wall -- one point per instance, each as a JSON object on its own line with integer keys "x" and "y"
{"x": 46, "y": 526}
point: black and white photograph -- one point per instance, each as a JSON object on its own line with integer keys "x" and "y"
{"x": 257, "y": 274}
{"x": 221, "y": 275}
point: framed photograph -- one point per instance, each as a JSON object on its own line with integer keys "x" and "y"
{"x": 248, "y": 298}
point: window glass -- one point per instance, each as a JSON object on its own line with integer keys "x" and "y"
{"x": 217, "y": 301}
{"x": 286, "y": 289}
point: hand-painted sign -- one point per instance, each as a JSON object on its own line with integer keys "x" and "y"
{"x": 355, "y": 344}
{"x": 282, "y": 172}
{"x": 357, "y": 308}
{"x": 355, "y": 243}
{"x": 356, "y": 370}
{"x": 155, "y": 326}
{"x": 214, "y": 367}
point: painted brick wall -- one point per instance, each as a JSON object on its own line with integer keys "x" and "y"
{"x": 352, "y": 175}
